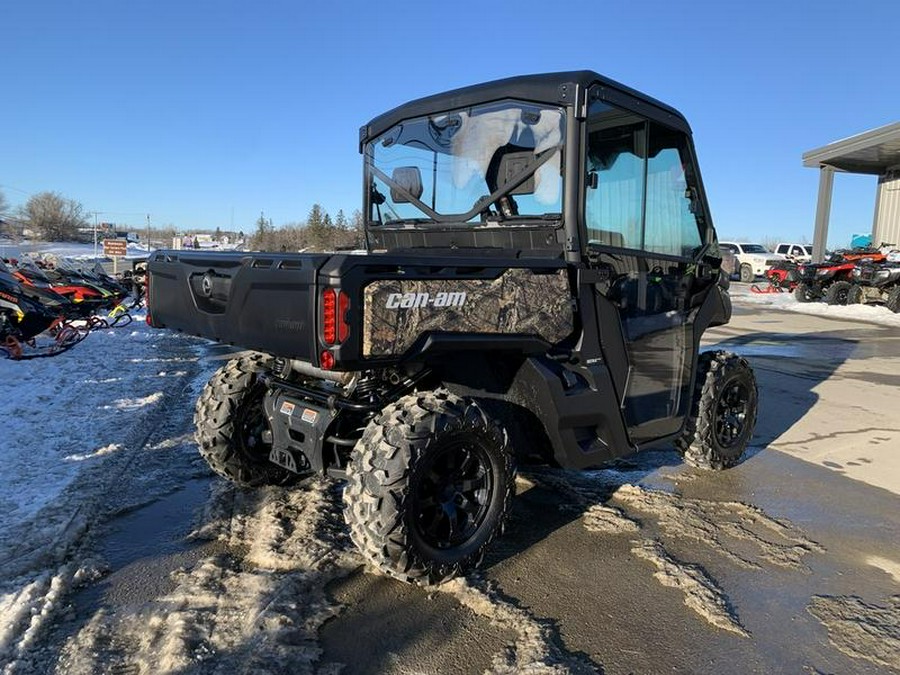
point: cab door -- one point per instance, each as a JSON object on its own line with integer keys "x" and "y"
{"x": 645, "y": 226}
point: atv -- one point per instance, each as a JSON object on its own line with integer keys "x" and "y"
{"x": 541, "y": 267}
{"x": 876, "y": 282}
{"x": 831, "y": 280}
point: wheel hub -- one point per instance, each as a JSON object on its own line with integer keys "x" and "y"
{"x": 453, "y": 496}
{"x": 731, "y": 414}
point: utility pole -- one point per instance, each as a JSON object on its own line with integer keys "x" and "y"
{"x": 95, "y": 236}
{"x": 148, "y": 234}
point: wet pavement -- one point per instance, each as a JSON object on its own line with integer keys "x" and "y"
{"x": 823, "y": 466}
{"x": 790, "y": 562}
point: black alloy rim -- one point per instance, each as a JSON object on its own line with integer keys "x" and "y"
{"x": 252, "y": 425}
{"x": 453, "y": 495}
{"x": 731, "y": 413}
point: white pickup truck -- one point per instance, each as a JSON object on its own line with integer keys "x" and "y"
{"x": 795, "y": 252}
{"x": 752, "y": 259}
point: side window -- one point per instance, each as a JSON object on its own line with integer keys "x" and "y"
{"x": 642, "y": 192}
{"x": 616, "y": 157}
{"x": 782, "y": 248}
{"x": 671, "y": 225}
{"x": 797, "y": 251}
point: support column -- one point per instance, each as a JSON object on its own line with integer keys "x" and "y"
{"x": 823, "y": 212}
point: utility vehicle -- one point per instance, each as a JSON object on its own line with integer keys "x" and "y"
{"x": 541, "y": 266}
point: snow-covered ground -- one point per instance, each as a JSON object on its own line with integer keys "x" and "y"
{"x": 9, "y": 249}
{"x": 787, "y": 302}
{"x": 85, "y": 433}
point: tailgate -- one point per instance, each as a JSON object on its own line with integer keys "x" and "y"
{"x": 259, "y": 301}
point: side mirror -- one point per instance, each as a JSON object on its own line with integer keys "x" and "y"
{"x": 593, "y": 180}
{"x": 410, "y": 179}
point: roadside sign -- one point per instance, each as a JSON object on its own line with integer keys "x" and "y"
{"x": 114, "y": 247}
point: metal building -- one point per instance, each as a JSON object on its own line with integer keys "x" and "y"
{"x": 875, "y": 152}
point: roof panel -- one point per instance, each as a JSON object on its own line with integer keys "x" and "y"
{"x": 871, "y": 152}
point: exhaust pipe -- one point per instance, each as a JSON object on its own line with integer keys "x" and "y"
{"x": 309, "y": 370}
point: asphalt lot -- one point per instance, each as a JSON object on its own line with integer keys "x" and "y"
{"x": 789, "y": 562}
{"x": 824, "y": 466}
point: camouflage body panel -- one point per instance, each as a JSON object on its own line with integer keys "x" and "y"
{"x": 398, "y": 311}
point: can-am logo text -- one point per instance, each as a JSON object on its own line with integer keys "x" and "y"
{"x": 414, "y": 300}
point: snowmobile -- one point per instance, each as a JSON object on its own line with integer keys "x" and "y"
{"x": 30, "y": 271}
{"x": 23, "y": 318}
{"x": 782, "y": 276}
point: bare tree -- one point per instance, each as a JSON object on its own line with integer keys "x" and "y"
{"x": 6, "y": 228}
{"x": 54, "y": 217}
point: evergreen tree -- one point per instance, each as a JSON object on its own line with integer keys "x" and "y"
{"x": 316, "y": 227}
{"x": 340, "y": 220}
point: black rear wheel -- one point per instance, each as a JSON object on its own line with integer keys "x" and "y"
{"x": 232, "y": 430}
{"x": 803, "y": 293}
{"x": 429, "y": 486}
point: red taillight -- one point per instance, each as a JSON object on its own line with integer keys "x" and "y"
{"x": 334, "y": 316}
{"x": 329, "y": 316}
{"x": 326, "y": 360}
{"x": 343, "y": 306}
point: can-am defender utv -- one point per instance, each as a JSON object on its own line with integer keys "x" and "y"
{"x": 541, "y": 267}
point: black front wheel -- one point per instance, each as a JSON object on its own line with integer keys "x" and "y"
{"x": 429, "y": 486}
{"x": 723, "y": 414}
{"x": 838, "y": 293}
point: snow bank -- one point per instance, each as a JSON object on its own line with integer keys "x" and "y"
{"x": 70, "y": 409}
{"x": 786, "y": 301}
{"x": 75, "y": 428}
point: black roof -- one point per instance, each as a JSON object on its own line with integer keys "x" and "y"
{"x": 551, "y": 88}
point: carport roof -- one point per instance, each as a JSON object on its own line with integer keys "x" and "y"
{"x": 872, "y": 152}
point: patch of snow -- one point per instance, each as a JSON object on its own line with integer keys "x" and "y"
{"x": 134, "y": 403}
{"x": 787, "y": 302}
{"x": 99, "y": 452}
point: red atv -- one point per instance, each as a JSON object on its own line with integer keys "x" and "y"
{"x": 831, "y": 280}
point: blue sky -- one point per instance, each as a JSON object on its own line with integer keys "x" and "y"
{"x": 206, "y": 113}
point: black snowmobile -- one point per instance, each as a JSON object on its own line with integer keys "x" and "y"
{"x": 24, "y": 315}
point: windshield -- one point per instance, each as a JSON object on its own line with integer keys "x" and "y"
{"x": 754, "y": 248}
{"x": 499, "y": 161}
